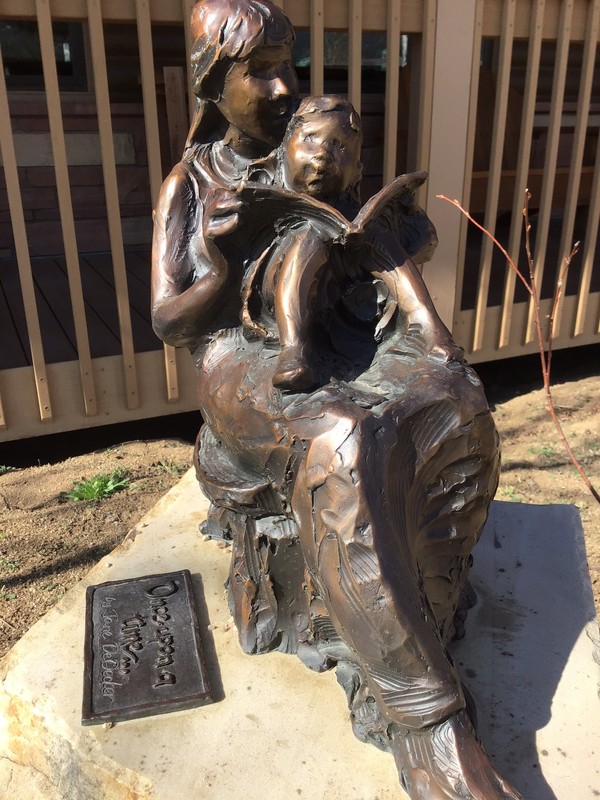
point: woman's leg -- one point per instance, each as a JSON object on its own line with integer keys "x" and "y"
{"x": 359, "y": 553}
{"x": 372, "y": 497}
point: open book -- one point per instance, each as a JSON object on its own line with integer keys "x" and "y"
{"x": 393, "y": 206}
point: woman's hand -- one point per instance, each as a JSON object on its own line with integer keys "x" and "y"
{"x": 222, "y": 213}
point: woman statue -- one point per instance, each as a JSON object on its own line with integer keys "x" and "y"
{"x": 354, "y": 503}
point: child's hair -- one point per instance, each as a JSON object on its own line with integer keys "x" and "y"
{"x": 327, "y": 104}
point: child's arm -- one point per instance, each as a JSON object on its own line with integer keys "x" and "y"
{"x": 406, "y": 285}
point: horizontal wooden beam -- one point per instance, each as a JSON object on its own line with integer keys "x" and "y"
{"x": 465, "y": 320}
{"x": 171, "y": 12}
{"x": 20, "y": 405}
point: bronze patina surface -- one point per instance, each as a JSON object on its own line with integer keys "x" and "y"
{"x": 347, "y": 449}
{"x": 143, "y": 653}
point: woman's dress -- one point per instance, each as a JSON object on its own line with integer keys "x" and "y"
{"x": 352, "y": 508}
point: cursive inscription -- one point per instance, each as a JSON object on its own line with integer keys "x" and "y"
{"x": 131, "y": 642}
{"x": 163, "y": 636}
{"x": 108, "y": 668}
{"x": 108, "y": 662}
{"x": 108, "y": 615}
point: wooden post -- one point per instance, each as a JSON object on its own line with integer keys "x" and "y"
{"x": 455, "y": 83}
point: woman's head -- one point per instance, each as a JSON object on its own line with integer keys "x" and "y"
{"x": 241, "y": 60}
{"x": 320, "y": 153}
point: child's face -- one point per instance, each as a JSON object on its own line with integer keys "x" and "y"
{"x": 322, "y": 156}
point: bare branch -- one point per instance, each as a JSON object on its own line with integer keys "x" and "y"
{"x": 545, "y": 348}
{"x": 509, "y": 260}
{"x": 566, "y": 263}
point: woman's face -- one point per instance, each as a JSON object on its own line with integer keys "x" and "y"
{"x": 259, "y": 93}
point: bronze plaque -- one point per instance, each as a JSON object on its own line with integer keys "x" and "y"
{"x": 143, "y": 653}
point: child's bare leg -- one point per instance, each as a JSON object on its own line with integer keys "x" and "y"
{"x": 295, "y": 289}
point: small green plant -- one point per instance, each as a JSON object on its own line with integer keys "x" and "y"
{"x": 8, "y": 564}
{"x": 166, "y": 465}
{"x": 510, "y": 493}
{"x": 98, "y": 487}
{"x": 4, "y": 468}
{"x": 545, "y": 450}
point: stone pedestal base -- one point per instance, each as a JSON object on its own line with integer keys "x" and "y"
{"x": 279, "y": 731}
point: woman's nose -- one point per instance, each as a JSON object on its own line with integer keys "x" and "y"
{"x": 285, "y": 86}
{"x": 282, "y": 88}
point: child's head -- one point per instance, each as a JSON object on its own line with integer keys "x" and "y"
{"x": 321, "y": 149}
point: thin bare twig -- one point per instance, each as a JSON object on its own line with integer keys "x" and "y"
{"x": 509, "y": 260}
{"x": 6, "y": 622}
{"x": 545, "y": 347}
{"x": 557, "y": 295}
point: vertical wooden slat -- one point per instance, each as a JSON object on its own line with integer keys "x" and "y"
{"x": 355, "y": 54}
{"x": 144, "y": 29}
{"x": 109, "y": 172}
{"x": 176, "y": 115}
{"x": 174, "y": 89}
{"x": 589, "y": 250}
{"x": 392, "y": 87}
{"x": 15, "y": 204}
{"x": 455, "y": 83}
{"x": 153, "y": 146}
{"x": 581, "y": 124}
{"x": 317, "y": 47}
{"x": 495, "y": 171}
{"x": 3, "y": 425}
{"x": 554, "y": 126}
{"x": 186, "y": 8}
{"x": 470, "y": 149}
{"x": 427, "y": 61}
{"x": 523, "y": 158}
{"x": 65, "y": 205}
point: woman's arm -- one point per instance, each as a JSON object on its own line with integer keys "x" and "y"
{"x": 189, "y": 272}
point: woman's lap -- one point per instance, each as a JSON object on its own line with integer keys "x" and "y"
{"x": 422, "y": 445}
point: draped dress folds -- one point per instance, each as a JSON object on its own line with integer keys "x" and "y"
{"x": 352, "y": 508}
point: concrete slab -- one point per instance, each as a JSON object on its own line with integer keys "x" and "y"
{"x": 280, "y": 731}
{"x": 532, "y": 652}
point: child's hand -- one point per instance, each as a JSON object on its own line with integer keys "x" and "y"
{"x": 447, "y": 351}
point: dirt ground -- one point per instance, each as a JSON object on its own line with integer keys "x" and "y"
{"x": 48, "y": 542}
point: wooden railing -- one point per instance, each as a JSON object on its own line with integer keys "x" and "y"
{"x": 476, "y": 132}
{"x": 505, "y": 328}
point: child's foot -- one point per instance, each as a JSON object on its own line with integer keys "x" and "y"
{"x": 293, "y": 371}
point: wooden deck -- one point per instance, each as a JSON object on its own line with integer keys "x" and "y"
{"x": 54, "y": 308}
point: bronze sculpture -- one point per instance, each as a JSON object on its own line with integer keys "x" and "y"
{"x": 347, "y": 450}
